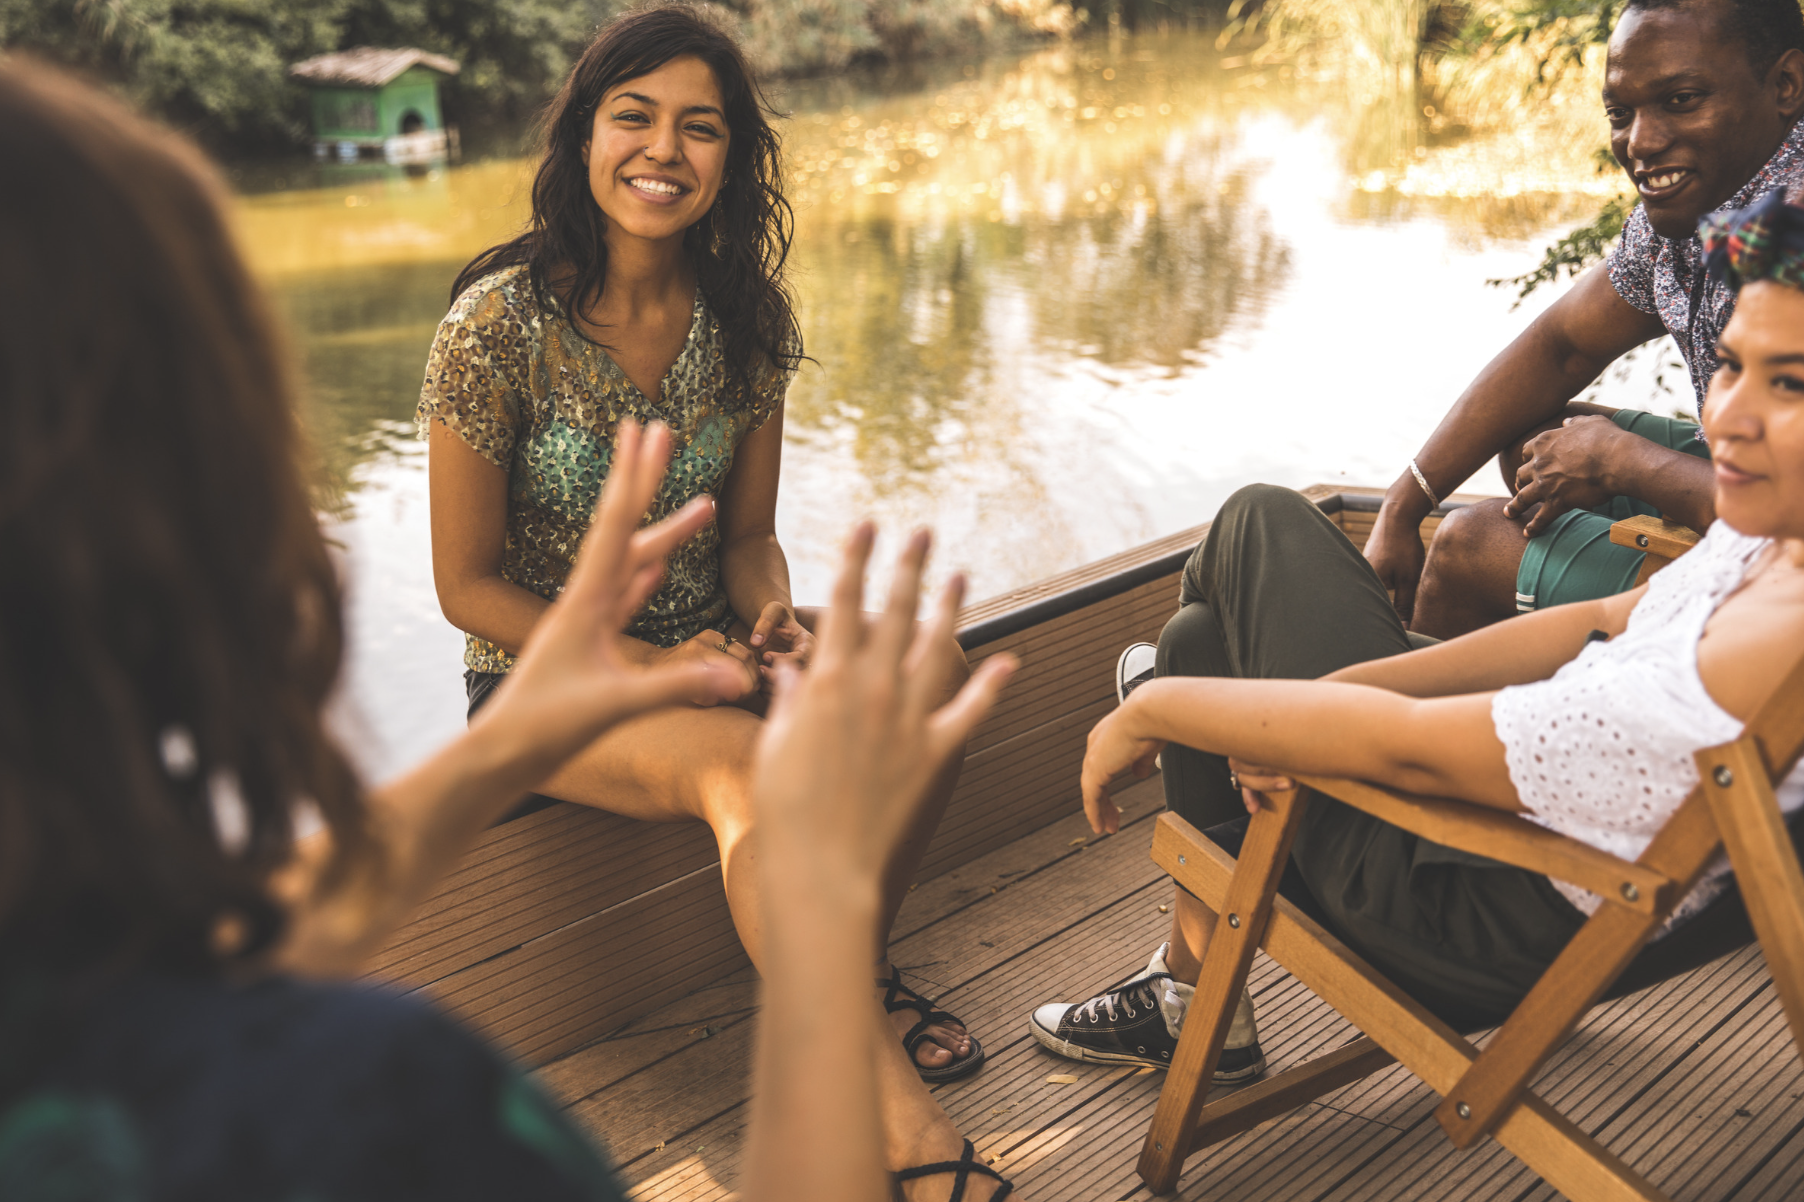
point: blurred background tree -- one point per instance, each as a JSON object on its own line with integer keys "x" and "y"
{"x": 218, "y": 67}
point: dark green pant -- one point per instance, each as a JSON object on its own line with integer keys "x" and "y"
{"x": 1278, "y": 592}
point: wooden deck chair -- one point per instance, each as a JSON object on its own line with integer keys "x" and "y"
{"x": 1482, "y": 1092}
{"x": 1663, "y": 541}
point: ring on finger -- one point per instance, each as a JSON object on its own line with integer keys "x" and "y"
{"x": 1234, "y": 779}
{"x": 722, "y": 646}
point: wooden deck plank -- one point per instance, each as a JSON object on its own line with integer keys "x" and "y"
{"x": 1660, "y": 1076}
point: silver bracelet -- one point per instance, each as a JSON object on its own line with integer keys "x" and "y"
{"x": 1415, "y": 471}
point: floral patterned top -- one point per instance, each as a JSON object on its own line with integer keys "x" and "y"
{"x": 1665, "y": 276}
{"x": 522, "y": 387}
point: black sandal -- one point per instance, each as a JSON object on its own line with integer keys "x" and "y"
{"x": 962, "y": 1168}
{"x": 901, "y": 997}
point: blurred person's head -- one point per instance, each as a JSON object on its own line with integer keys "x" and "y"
{"x": 1754, "y": 411}
{"x": 169, "y": 619}
{"x": 662, "y": 133}
{"x": 1699, "y": 95}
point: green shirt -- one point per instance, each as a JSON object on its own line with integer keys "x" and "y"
{"x": 537, "y": 399}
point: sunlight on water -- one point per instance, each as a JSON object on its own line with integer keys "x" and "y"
{"x": 1059, "y": 306}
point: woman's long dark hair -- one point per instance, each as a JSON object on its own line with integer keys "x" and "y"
{"x": 739, "y": 250}
{"x": 169, "y": 620}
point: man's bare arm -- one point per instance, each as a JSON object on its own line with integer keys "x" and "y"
{"x": 1526, "y": 385}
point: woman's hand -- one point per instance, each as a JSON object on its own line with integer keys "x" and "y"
{"x": 851, "y": 746}
{"x": 780, "y": 639}
{"x": 575, "y": 677}
{"x": 1255, "y": 781}
{"x": 732, "y": 657}
{"x": 1114, "y": 748}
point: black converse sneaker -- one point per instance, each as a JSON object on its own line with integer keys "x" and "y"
{"x": 1133, "y": 669}
{"x": 1137, "y": 1022}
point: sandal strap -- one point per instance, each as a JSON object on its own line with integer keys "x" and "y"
{"x": 915, "y": 1000}
{"x": 962, "y": 1169}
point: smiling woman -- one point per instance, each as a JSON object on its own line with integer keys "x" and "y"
{"x": 650, "y": 286}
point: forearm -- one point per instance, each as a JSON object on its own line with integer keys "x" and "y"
{"x": 493, "y": 608}
{"x": 1525, "y": 386}
{"x": 422, "y": 823}
{"x": 1681, "y": 486}
{"x": 1441, "y": 746}
{"x": 755, "y": 572}
{"x": 815, "y": 1125}
{"x": 1523, "y": 649}
{"x": 496, "y": 609}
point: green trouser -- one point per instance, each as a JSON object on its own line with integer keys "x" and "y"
{"x": 1277, "y": 592}
{"x": 1574, "y": 559}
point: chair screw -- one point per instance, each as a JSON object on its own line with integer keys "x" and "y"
{"x": 1463, "y": 1110}
{"x": 1183, "y": 860}
{"x": 1234, "y": 921}
{"x": 1723, "y": 776}
{"x": 1641, "y": 540}
{"x": 1158, "y": 1146}
{"x": 1629, "y": 892}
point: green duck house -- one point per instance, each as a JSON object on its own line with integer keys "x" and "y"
{"x": 370, "y": 103}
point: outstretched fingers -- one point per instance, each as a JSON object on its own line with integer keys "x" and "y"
{"x": 842, "y": 626}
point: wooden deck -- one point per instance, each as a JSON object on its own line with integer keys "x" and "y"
{"x": 1694, "y": 1082}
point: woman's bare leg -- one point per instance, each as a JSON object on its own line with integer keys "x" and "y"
{"x": 692, "y": 764}
{"x": 1192, "y": 924}
{"x": 946, "y": 1042}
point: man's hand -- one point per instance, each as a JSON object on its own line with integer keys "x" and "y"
{"x": 1395, "y": 551}
{"x": 1567, "y": 468}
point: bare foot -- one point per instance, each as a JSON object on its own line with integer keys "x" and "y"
{"x": 943, "y": 1042}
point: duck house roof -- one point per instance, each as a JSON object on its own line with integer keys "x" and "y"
{"x": 368, "y": 66}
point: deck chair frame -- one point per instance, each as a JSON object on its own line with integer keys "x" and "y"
{"x": 1733, "y": 808}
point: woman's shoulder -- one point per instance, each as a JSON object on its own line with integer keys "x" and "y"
{"x": 501, "y": 297}
{"x": 331, "y": 1083}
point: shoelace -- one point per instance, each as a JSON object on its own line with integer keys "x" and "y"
{"x": 1145, "y": 991}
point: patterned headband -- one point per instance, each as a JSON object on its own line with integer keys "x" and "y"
{"x": 1764, "y": 241}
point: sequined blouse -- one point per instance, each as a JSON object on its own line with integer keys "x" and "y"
{"x": 534, "y": 397}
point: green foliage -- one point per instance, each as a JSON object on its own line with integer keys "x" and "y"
{"x": 220, "y": 67}
{"x": 1561, "y": 31}
{"x": 1576, "y": 251}
{"x": 217, "y": 64}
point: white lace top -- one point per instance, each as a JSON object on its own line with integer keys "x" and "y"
{"x": 1602, "y": 750}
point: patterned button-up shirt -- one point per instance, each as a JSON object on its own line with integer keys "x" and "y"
{"x": 1661, "y": 276}
{"x": 540, "y": 401}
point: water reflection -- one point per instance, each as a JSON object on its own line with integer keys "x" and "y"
{"x": 1059, "y": 305}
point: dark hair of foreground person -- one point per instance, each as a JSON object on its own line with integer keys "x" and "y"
{"x": 169, "y": 620}
{"x": 738, "y": 251}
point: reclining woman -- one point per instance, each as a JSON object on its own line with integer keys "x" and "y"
{"x": 1584, "y": 717}
{"x": 170, "y": 628}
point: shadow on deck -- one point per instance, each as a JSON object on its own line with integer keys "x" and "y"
{"x": 1694, "y": 1082}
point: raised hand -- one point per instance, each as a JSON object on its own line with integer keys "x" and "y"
{"x": 850, "y": 747}
{"x": 572, "y": 680}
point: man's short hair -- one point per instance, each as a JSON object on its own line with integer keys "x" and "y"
{"x": 1765, "y": 28}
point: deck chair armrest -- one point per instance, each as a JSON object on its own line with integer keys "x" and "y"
{"x": 1663, "y": 541}
{"x": 1505, "y": 837}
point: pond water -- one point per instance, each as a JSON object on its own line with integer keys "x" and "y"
{"x": 1060, "y": 304}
